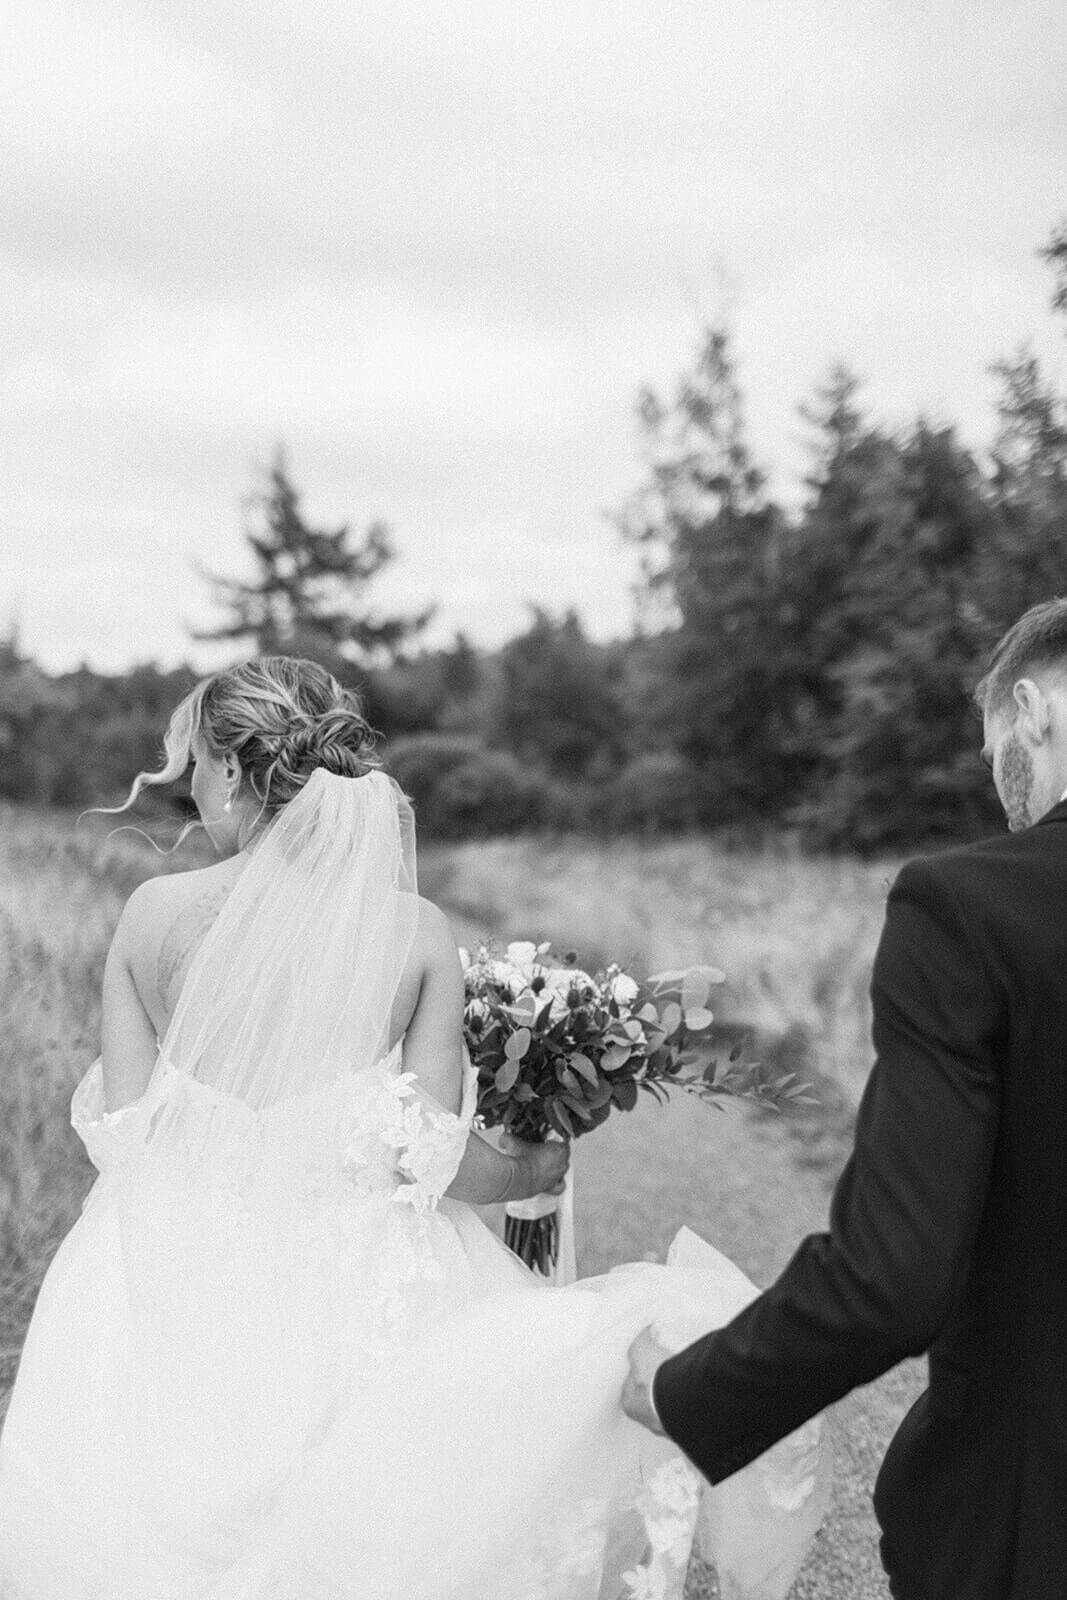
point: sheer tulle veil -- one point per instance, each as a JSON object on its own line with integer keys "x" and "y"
{"x": 284, "y": 1017}
{"x": 295, "y": 983}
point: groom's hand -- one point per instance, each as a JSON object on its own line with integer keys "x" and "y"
{"x": 646, "y": 1353}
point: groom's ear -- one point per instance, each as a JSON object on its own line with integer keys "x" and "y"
{"x": 1034, "y": 718}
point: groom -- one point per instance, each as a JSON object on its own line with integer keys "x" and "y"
{"x": 948, "y": 1227}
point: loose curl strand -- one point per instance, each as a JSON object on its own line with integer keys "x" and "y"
{"x": 281, "y": 716}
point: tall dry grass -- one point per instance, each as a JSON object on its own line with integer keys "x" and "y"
{"x": 794, "y": 935}
{"x": 62, "y": 887}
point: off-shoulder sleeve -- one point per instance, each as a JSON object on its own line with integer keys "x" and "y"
{"x": 428, "y": 1139}
{"x": 110, "y": 1137}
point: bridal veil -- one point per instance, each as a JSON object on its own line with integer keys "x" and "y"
{"x": 236, "y": 1319}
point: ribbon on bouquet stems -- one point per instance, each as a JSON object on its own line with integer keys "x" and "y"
{"x": 540, "y": 1231}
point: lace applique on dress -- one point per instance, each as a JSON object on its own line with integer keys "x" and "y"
{"x": 669, "y": 1507}
{"x": 569, "y": 1555}
{"x": 790, "y": 1468}
{"x": 405, "y": 1150}
{"x": 429, "y": 1144}
{"x": 110, "y": 1137}
{"x": 405, "y": 1137}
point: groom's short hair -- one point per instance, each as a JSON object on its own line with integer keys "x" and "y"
{"x": 1038, "y": 639}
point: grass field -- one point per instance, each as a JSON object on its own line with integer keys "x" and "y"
{"x": 794, "y": 935}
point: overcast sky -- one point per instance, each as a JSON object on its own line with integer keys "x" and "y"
{"x": 437, "y": 249}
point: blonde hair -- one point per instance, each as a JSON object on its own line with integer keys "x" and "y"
{"x": 281, "y": 716}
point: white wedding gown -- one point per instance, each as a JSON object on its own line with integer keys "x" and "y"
{"x": 307, "y": 1374}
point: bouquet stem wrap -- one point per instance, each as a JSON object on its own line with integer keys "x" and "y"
{"x": 540, "y": 1230}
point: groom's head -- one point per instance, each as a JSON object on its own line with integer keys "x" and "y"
{"x": 1023, "y": 701}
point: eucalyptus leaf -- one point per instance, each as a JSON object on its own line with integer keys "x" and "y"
{"x": 698, "y": 1018}
{"x": 662, "y": 979}
{"x": 506, "y": 1075}
{"x": 518, "y": 1044}
{"x": 566, "y": 1125}
{"x": 671, "y": 1018}
{"x": 585, "y": 1067}
{"x": 579, "y": 1107}
{"x": 625, "y": 1094}
{"x": 694, "y": 991}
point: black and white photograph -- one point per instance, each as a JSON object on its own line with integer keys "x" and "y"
{"x": 533, "y": 800}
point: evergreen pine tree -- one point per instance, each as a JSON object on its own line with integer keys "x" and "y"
{"x": 308, "y": 594}
{"x": 711, "y": 544}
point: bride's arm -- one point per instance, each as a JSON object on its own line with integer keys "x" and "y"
{"x": 433, "y": 1051}
{"x": 487, "y": 1175}
{"x": 128, "y": 1039}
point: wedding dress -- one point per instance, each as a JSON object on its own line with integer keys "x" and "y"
{"x": 273, "y": 1360}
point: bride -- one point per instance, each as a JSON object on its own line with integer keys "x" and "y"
{"x": 280, "y": 1356}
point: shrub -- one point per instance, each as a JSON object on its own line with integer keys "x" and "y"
{"x": 657, "y": 792}
{"x": 419, "y": 761}
{"x": 459, "y": 788}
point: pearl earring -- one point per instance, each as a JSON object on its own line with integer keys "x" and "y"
{"x": 228, "y": 806}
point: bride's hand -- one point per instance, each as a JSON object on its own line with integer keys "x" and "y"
{"x": 546, "y": 1164}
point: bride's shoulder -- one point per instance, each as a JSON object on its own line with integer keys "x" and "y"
{"x": 163, "y": 924}
{"x": 434, "y": 939}
{"x": 170, "y": 892}
{"x": 177, "y": 904}
{"x": 434, "y": 952}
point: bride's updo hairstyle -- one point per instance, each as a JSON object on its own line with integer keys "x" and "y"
{"x": 281, "y": 716}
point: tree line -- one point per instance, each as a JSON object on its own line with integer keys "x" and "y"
{"x": 809, "y": 670}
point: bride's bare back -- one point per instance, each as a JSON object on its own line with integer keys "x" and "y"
{"x": 174, "y": 914}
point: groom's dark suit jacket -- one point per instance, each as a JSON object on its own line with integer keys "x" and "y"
{"x": 948, "y": 1235}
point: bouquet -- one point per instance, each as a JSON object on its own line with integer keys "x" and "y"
{"x": 557, "y": 1050}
